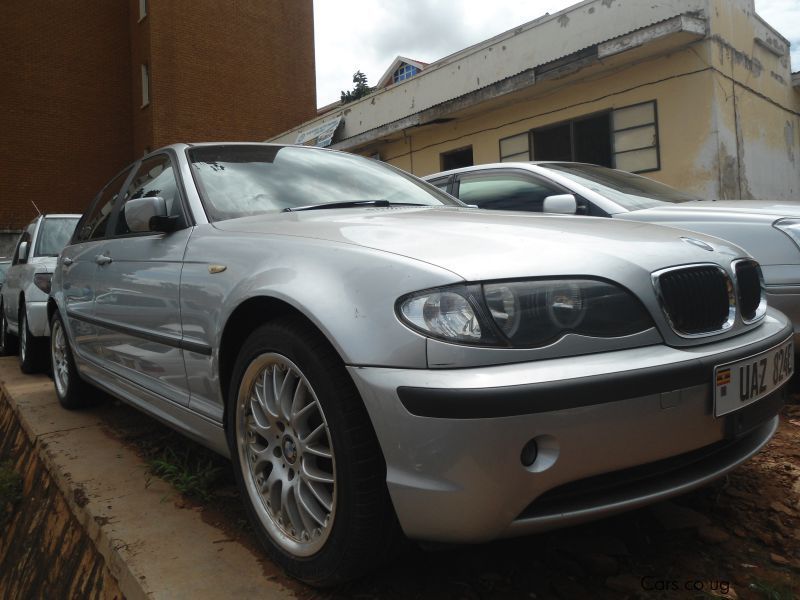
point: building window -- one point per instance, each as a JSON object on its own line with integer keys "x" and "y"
{"x": 624, "y": 138}
{"x": 515, "y": 148}
{"x": 587, "y": 139}
{"x": 145, "y": 86}
{"x": 405, "y": 71}
{"x": 142, "y": 9}
{"x": 455, "y": 159}
{"x": 635, "y": 139}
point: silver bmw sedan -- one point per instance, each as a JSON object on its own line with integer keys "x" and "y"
{"x": 378, "y": 360}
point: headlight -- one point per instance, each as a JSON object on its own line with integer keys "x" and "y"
{"x": 549, "y": 308}
{"x": 524, "y": 314}
{"x": 445, "y": 314}
{"x": 42, "y": 281}
{"x": 790, "y": 227}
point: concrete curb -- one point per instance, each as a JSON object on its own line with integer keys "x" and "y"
{"x": 152, "y": 548}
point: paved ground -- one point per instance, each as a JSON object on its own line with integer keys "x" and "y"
{"x": 739, "y": 538}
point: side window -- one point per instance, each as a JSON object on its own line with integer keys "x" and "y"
{"x": 93, "y": 224}
{"x": 505, "y": 191}
{"x": 155, "y": 177}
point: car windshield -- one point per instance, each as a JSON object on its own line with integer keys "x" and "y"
{"x": 631, "y": 192}
{"x": 54, "y": 235}
{"x": 4, "y": 265}
{"x": 242, "y": 180}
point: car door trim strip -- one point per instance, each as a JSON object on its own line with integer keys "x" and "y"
{"x": 167, "y": 340}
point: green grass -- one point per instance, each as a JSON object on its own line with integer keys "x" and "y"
{"x": 190, "y": 473}
{"x": 10, "y": 490}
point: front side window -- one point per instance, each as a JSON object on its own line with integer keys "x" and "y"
{"x": 93, "y": 224}
{"x": 155, "y": 177}
{"x": 243, "y": 180}
{"x": 505, "y": 191}
{"x": 54, "y": 234}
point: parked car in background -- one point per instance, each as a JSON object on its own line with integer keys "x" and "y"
{"x": 375, "y": 357}
{"x": 5, "y": 263}
{"x": 23, "y": 296}
{"x": 769, "y": 231}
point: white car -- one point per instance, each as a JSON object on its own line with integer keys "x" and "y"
{"x": 23, "y": 296}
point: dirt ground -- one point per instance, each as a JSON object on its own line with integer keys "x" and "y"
{"x": 738, "y": 538}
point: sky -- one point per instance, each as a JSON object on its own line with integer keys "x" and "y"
{"x": 367, "y": 35}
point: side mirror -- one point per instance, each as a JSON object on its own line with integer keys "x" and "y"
{"x": 562, "y": 204}
{"x": 23, "y": 251}
{"x": 148, "y": 214}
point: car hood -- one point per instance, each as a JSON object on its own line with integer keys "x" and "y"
{"x": 747, "y": 223}
{"x": 716, "y": 209}
{"x": 478, "y": 245}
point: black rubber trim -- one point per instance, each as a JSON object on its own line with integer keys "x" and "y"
{"x": 167, "y": 340}
{"x": 533, "y": 398}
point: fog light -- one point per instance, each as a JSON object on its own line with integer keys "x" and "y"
{"x": 529, "y": 453}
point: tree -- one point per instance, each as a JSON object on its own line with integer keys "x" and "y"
{"x": 360, "y": 89}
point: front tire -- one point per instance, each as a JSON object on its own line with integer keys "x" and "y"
{"x": 31, "y": 348}
{"x": 306, "y": 458}
{"x": 8, "y": 341}
{"x": 72, "y": 391}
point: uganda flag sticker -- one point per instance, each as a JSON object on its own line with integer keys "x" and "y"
{"x": 723, "y": 379}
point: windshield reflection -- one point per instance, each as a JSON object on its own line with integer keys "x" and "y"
{"x": 243, "y": 180}
{"x": 632, "y": 192}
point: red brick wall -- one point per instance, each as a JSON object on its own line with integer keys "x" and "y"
{"x": 235, "y": 71}
{"x": 71, "y": 110}
{"x": 64, "y": 104}
{"x": 140, "y": 53}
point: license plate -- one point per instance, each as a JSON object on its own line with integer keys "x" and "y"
{"x": 740, "y": 383}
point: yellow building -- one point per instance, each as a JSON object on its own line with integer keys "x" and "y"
{"x": 698, "y": 94}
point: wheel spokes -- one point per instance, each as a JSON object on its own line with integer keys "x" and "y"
{"x": 284, "y": 436}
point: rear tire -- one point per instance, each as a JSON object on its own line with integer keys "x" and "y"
{"x": 8, "y": 341}
{"x": 31, "y": 348}
{"x": 306, "y": 459}
{"x": 72, "y": 391}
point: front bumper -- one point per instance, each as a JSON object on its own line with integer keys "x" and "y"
{"x": 452, "y": 439}
{"x": 786, "y": 298}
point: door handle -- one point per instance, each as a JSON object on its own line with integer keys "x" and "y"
{"x": 102, "y": 259}
{"x": 67, "y": 261}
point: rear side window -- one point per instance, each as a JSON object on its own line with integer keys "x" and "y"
{"x": 93, "y": 225}
{"x": 54, "y": 235}
{"x": 505, "y": 191}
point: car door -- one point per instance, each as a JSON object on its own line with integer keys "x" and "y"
{"x": 16, "y": 276}
{"x": 78, "y": 268}
{"x": 136, "y": 304}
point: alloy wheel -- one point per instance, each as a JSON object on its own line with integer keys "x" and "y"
{"x": 23, "y": 336}
{"x": 58, "y": 351}
{"x": 286, "y": 454}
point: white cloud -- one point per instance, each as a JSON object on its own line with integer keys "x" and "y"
{"x": 366, "y": 35}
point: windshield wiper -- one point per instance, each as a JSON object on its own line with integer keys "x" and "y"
{"x": 349, "y": 204}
